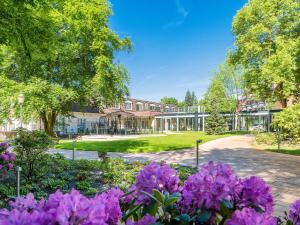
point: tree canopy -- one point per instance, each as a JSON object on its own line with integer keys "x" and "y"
{"x": 60, "y": 52}
{"x": 190, "y": 98}
{"x": 169, "y": 100}
{"x": 216, "y": 97}
{"x": 267, "y": 44}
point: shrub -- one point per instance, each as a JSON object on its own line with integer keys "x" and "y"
{"x": 288, "y": 121}
{"x": 212, "y": 196}
{"x": 30, "y": 147}
{"x": 6, "y": 159}
{"x": 266, "y": 138}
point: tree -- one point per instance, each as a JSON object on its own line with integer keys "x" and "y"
{"x": 216, "y": 101}
{"x": 70, "y": 62}
{"x": 267, "y": 41}
{"x": 232, "y": 78}
{"x": 216, "y": 96}
{"x": 190, "y": 98}
{"x": 215, "y": 122}
{"x": 169, "y": 100}
{"x": 288, "y": 121}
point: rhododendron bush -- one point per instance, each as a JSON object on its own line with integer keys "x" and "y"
{"x": 212, "y": 196}
{"x": 6, "y": 158}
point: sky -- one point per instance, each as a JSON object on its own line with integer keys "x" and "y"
{"x": 177, "y": 44}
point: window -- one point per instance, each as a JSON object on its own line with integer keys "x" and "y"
{"x": 128, "y": 105}
{"x": 158, "y": 108}
{"x": 167, "y": 109}
{"x": 139, "y": 106}
{"x": 152, "y": 107}
{"x": 146, "y": 106}
{"x": 116, "y": 106}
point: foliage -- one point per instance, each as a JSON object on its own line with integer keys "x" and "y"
{"x": 70, "y": 56}
{"x": 231, "y": 77}
{"x": 226, "y": 199}
{"x": 30, "y": 147}
{"x": 215, "y": 122}
{"x": 288, "y": 121}
{"x": 216, "y": 97}
{"x": 190, "y": 98}
{"x": 266, "y": 138}
{"x": 56, "y": 172}
{"x": 6, "y": 159}
{"x": 267, "y": 41}
{"x": 169, "y": 100}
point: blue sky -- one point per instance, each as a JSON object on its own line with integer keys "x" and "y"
{"x": 177, "y": 44}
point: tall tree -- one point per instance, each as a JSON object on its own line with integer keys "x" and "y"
{"x": 267, "y": 41}
{"x": 231, "y": 77}
{"x": 216, "y": 96}
{"x": 215, "y": 122}
{"x": 68, "y": 47}
{"x": 190, "y": 98}
{"x": 169, "y": 100}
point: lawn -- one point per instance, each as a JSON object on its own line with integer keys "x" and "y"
{"x": 291, "y": 150}
{"x": 145, "y": 144}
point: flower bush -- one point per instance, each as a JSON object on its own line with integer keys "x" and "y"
{"x": 6, "y": 158}
{"x": 212, "y": 196}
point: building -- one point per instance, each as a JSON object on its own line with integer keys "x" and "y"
{"x": 251, "y": 115}
{"x": 129, "y": 117}
{"x": 134, "y": 116}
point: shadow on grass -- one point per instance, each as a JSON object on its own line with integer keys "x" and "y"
{"x": 285, "y": 151}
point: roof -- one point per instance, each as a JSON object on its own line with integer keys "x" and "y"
{"x": 85, "y": 109}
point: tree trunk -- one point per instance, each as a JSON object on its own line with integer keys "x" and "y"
{"x": 49, "y": 120}
{"x": 283, "y": 103}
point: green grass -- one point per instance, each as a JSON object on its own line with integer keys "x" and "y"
{"x": 145, "y": 144}
{"x": 291, "y": 150}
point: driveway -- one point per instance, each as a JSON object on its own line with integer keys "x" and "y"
{"x": 281, "y": 171}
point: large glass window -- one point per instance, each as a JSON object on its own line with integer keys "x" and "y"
{"x": 116, "y": 106}
{"x": 128, "y": 105}
{"x": 152, "y": 107}
{"x": 139, "y": 106}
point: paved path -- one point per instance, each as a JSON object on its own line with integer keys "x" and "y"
{"x": 281, "y": 171}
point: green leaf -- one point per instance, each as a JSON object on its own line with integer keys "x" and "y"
{"x": 158, "y": 195}
{"x": 131, "y": 212}
{"x": 203, "y": 217}
{"x": 171, "y": 201}
{"x": 152, "y": 208}
{"x": 183, "y": 219}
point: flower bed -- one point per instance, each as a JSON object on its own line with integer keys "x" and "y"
{"x": 214, "y": 195}
{"x": 6, "y": 158}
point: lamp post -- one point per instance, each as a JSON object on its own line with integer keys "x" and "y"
{"x": 21, "y": 101}
{"x": 197, "y": 153}
{"x": 19, "y": 169}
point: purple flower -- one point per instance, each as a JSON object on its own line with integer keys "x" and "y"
{"x": 154, "y": 176}
{"x": 11, "y": 156}
{"x": 4, "y": 146}
{"x": 5, "y": 156}
{"x": 10, "y": 166}
{"x": 294, "y": 212}
{"x": 65, "y": 209}
{"x": 248, "y": 216}
{"x": 213, "y": 184}
{"x": 255, "y": 193}
{"x": 146, "y": 220}
{"x": 27, "y": 203}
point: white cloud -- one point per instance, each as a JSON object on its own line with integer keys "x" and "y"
{"x": 179, "y": 20}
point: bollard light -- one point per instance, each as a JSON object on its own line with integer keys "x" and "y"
{"x": 197, "y": 153}
{"x": 19, "y": 169}
{"x": 73, "y": 155}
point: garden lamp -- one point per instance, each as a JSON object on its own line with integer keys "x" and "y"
{"x": 21, "y": 101}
